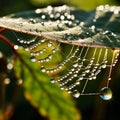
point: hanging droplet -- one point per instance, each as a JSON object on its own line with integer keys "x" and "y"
{"x": 76, "y": 93}
{"x": 106, "y": 93}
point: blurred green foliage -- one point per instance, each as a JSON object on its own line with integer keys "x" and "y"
{"x": 11, "y": 6}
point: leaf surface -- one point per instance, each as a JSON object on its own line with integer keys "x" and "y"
{"x": 97, "y": 28}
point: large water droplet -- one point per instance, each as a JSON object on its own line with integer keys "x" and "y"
{"x": 76, "y": 93}
{"x": 106, "y": 93}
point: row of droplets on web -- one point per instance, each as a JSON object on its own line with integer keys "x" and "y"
{"x": 78, "y": 71}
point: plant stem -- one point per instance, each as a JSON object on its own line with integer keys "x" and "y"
{"x": 7, "y": 41}
{"x": 2, "y": 30}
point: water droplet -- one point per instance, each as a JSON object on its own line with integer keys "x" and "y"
{"x": 7, "y": 81}
{"x": 87, "y": 70}
{"x": 80, "y": 78}
{"x": 116, "y": 12}
{"x": 75, "y": 65}
{"x": 62, "y": 17}
{"x": 43, "y": 16}
{"x": 31, "y": 20}
{"x": 106, "y": 93}
{"x": 49, "y": 44}
{"x": 43, "y": 69}
{"x": 1, "y": 55}
{"x": 52, "y": 80}
{"x": 32, "y": 59}
{"x": 49, "y": 8}
{"x": 104, "y": 66}
{"x": 107, "y": 32}
{"x": 21, "y": 24}
{"x": 37, "y": 11}
{"x": 77, "y": 82}
{"x": 19, "y": 81}
{"x": 101, "y": 8}
{"x": 76, "y": 93}
{"x": 16, "y": 47}
{"x": 9, "y": 66}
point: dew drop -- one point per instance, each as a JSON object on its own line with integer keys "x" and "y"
{"x": 19, "y": 81}
{"x": 62, "y": 17}
{"x": 49, "y": 44}
{"x": 37, "y": 11}
{"x": 1, "y": 55}
{"x": 7, "y": 81}
{"x": 77, "y": 82}
{"x": 43, "y": 16}
{"x": 106, "y": 93}
{"x": 21, "y": 24}
{"x": 31, "y": 20}
{"x": 104, "y": 66}
{"x": 49, "y": 8}
{"x": 32, "y": 59}
{"x": 16, "y": 47}
{"x": 87, "y": 71}
{"x": 9, "y": 66}
{"x": 75, "y": 65}
{"x": 76, "y": 93}
{"x": 52, "y": 80}
{"x": 43, "y": 69}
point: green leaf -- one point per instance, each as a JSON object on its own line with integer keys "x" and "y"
{"x": 98, "y": 28}
{"x": 50, "y": 101}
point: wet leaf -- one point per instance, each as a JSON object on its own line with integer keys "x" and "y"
{"x": 97, "y": 28}
{"x": 50, "y": 101}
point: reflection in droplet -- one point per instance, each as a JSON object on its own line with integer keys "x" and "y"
{"x": 106, "y": 93}
{"x": 76, "y": 93}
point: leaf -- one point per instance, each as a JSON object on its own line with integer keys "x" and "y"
{"x": 98, "y": 28}
{"x": 50, "y": 101}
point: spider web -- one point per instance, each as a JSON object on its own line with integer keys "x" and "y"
{"x": 70, "y": 65}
